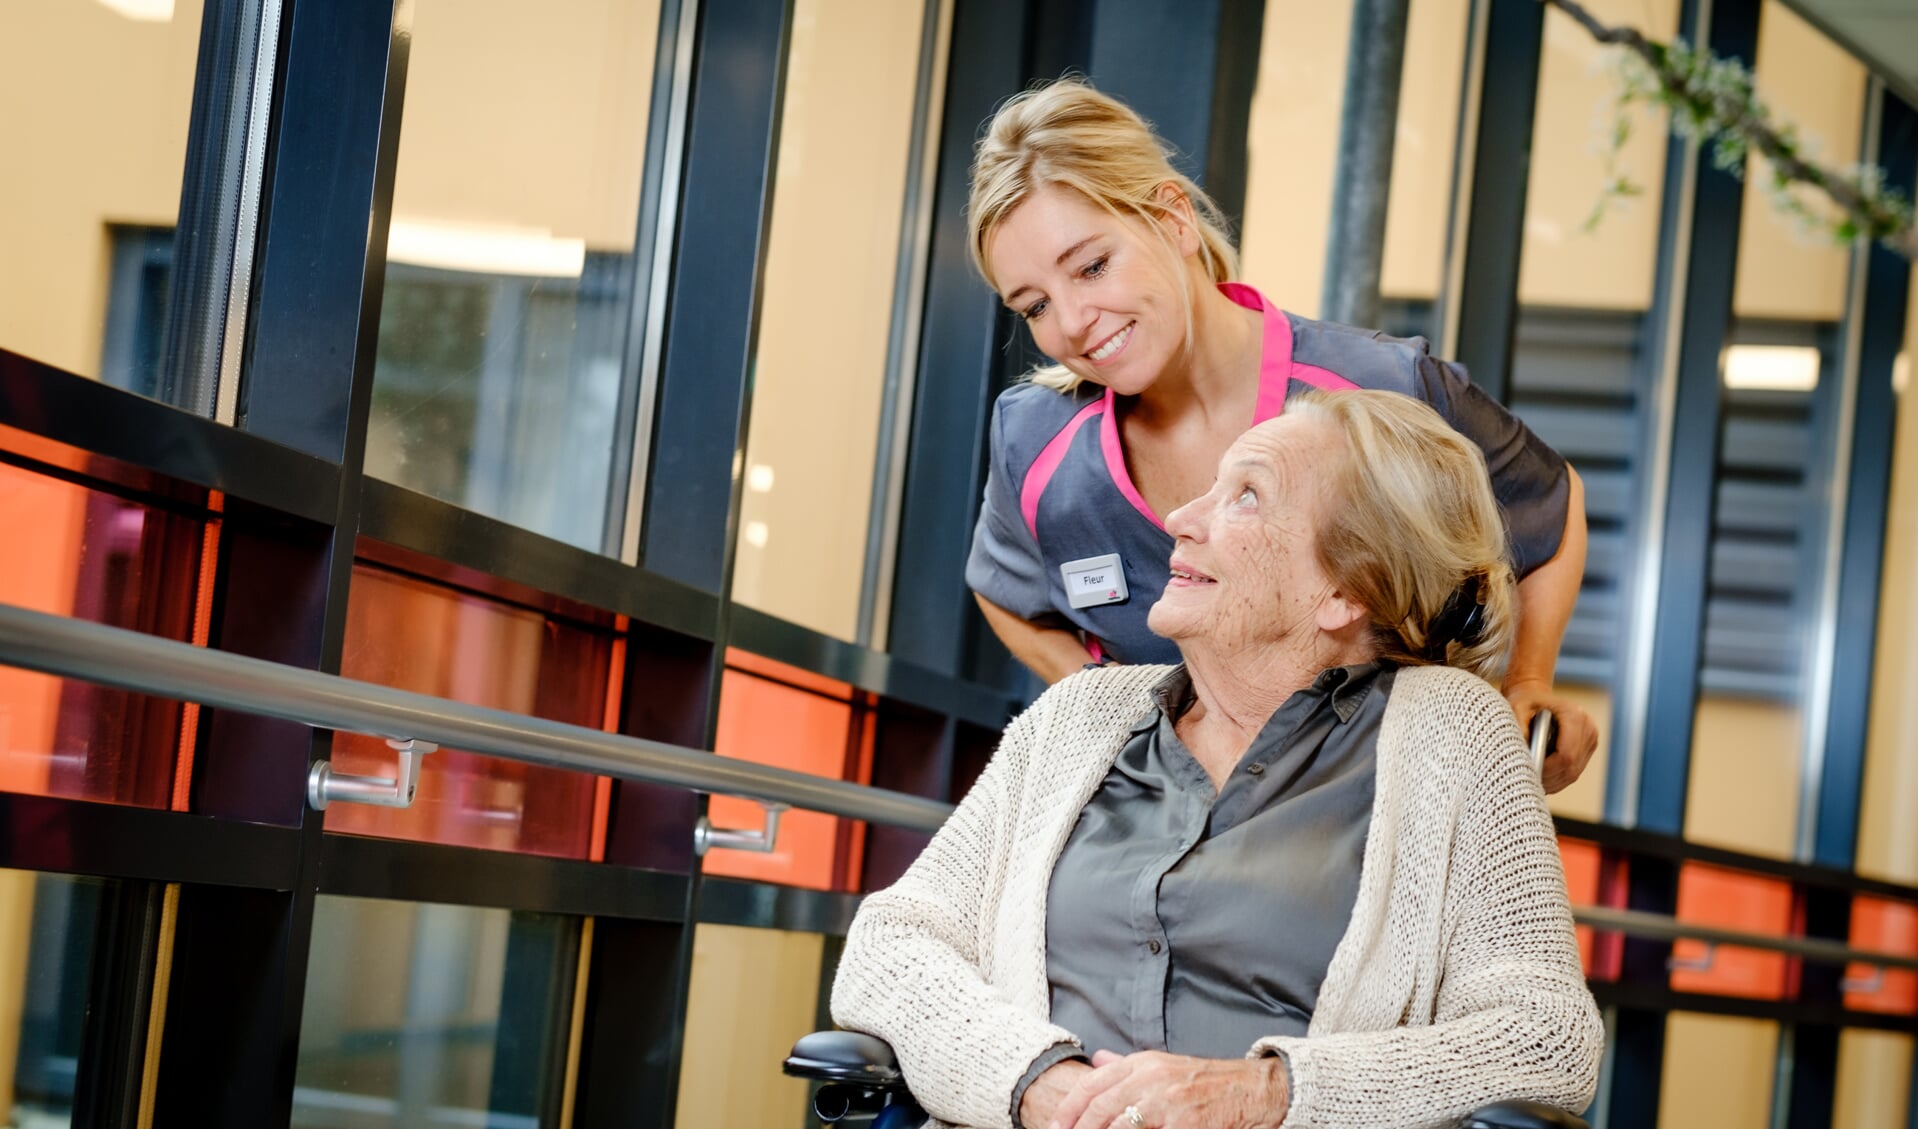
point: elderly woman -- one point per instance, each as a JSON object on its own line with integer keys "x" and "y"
{"x": 1304, "y": 878}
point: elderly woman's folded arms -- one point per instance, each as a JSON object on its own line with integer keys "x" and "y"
{"x": 1306, "y": 878}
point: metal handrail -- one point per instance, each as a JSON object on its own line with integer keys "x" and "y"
{"x": 145, "y": 664}
{"x": 114, "y": 656}
{"x": 1660, "y": 927}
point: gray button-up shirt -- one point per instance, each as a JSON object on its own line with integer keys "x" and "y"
{"x": 1197, "y": 922}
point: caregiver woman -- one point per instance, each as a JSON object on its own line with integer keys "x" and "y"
{"x": 1122, "y": 269}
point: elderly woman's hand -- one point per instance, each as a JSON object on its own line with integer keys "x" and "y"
{"x": 1170, "y": 1091}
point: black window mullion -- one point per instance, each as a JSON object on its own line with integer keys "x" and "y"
{"x": 238, "y": 981}
{"x": 1690, "y": 319}
{"x": 1485, "y": 308}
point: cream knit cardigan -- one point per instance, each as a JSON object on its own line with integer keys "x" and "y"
{"x": 1456, "y": 984}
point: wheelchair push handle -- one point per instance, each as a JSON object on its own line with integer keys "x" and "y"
{"x": 1544, "y": 738}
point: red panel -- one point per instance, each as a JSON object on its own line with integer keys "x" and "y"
{"x": 1582, "y": 861}
{"x": 1888, "y": 927}
{"x": 412, "y": 635}
{"x": 93, "y": 556}
{"x": 1709, "y": 895}
{"x": 805, "y": 730}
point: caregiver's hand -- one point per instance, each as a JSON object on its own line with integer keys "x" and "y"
{"x": 1176, "y": 1092}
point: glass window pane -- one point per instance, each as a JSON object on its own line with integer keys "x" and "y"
{"x": 1874, "y": 1080}
{"x": 1718, "y": 1072}
{"x": 84, "y": 170}
{"x": 102, "y": 558}
{"x": 1571, "y": 259}
{"x": 412, "y": 635}
{"x": 47, "y": 927}
{"x": 1292, "y": 151}
{"x": 754, "y": 992}
{"x": 1786, "y": 270}
{"x": 92, "y": 278}
{"x": 769, "y": 714}
{"x": 824, "y": 329}
{"x": 1887, "y": 835}
{"x": 431, "y": 1015}
{"x": 1774, "y": 471}
{"x": 505, "y": 330}
{"x": 1584, "y": 287}
{"x": 1424, "y": 151}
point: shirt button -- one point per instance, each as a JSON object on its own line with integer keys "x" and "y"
{"x": 1256, "y": 769}
{"x": 1154, "y": 946}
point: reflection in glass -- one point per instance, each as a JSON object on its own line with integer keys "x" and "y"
{"x": 431, "y": 1015}
{"x": 806, "y": 725}
{"x": 47, "y": 926}
{"x": 81, "y": 165}
{"x": 101, "y": 558}
{"x": 416, "y": 636}
{"x": 820, "y": 368}
{"x": 508, "y": 309}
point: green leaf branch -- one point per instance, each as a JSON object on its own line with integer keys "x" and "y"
{"x": 1713, "y": 100}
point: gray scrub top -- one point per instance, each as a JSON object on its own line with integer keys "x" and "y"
{"x": 1058, "y": 490}
{"x": 1185, "y": 921}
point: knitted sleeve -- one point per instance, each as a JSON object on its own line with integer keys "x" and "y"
{"x": 1512, "y": 1017}
{"x": 911, "y": 971}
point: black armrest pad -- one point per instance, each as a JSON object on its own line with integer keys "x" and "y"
{"x": 1522, "y": 1115}
{"x": 845, "y": 1056}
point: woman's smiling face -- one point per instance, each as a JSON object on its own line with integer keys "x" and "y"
{"x": 1103, "y": 296}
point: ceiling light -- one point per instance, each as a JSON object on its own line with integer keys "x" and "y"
{"x": 485, "y": 249}
{"x": 144, "y": 11}
{"x": 1775, "y": 368}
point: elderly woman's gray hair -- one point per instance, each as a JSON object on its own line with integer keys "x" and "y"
{"x": 1410, "y": 522}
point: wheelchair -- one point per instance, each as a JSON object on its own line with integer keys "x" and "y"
{"x": 861, "y": 1084}
{"x": 858, "y": 1080}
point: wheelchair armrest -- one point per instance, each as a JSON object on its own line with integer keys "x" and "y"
{"x": 1522, "y": 1115}
{"x": 846, "y": 1057}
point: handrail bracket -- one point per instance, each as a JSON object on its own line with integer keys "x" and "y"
{"x": 325, "y": 786}
{"x": 760, "y": 840}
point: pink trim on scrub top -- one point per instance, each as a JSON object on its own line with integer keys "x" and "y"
{"x": 1276, "y": 370}
{"x": 1048, "y": 462}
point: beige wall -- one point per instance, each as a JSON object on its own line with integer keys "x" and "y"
{"x": 1874, "y": 1080}
{"x": 823, "y": 331}
{"x": 496, "y": 89}
{"x": 16, "y": 949}
{"x": 1611, "y": 265}
{"x": 1887, "y": 833}
{"x": 1744, "y": 775}
{"x": 1293, "y": 149}
{"x": 754, "y": 992}
{"x": 1718, "y": 1073}
{"x": 1783, "y": 270}
{"x": 94, "y": 133}
{"x": 528, "y": 115}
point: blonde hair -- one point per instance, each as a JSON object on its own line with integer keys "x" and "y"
{"x": 1065, "y": 133}
{"x": 1409, "y": 519}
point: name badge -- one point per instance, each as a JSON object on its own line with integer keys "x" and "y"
{"x": 1093, "y": 581}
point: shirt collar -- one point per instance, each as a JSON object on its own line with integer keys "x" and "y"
{"x": 1346, "y": 686}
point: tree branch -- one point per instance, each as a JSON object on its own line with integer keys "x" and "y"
{"x": 1735, "y": 113}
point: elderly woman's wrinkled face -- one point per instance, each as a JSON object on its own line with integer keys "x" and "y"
{"x": 1245, "y": 568}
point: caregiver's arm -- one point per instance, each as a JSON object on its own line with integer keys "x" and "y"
{"x": 1545, "y": 602}
{"x": 1050, "y": 652}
